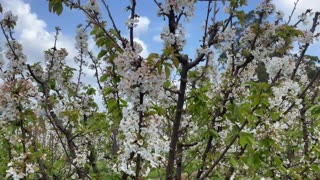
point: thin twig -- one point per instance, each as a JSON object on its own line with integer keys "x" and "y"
{"x": 294, "y": 8}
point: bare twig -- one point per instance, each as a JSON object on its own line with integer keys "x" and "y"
{"x": 312, "y": 30}
{"x": 113, "y": 23}
{"x": 294, "y": 8}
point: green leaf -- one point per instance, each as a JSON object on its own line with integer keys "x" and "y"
{"x": 175, "y": 61}
{"x": 167, "y": 84}
{"x": 243, "y": 2}
{"x": 315, "y": 168}
{"x": 52, "y": 84}
{"x": 123, "y": 103}
{"x": 102, "y": 53}
{"x": 266, "y": 142}
{"x": 315, "y": 110}
{"x": 112, "y": 103}
{"x": 104, "y": 77}
{"x": 167, "y": 70}
{"x": 254, "y": 161}
{"x": 246, "y": 53}
{"x": 58, "y": 8}
{"x": 168, "y": 51}
{"x": 246, "y": 138}
{"x": 259, "y": 112}
{"x": 114, "y": 32}
{"x": 59, "y": 164}
{"x": 256, "y": 100}
{"x": 91, "y": 91}
{"x": 159, "y": 68}
{"x": 279, "y": 164}
{"x": 233, "y": 3}
{"x": 116, "y": 79}
{"x": 107, "y": 91}
{"x": 94, "y": 31}
{"x": 116, "y": 113}
{"x": 274, "y": 115}
{"x": 214, "y": 133}
{"x": 241, "y": 16}
{"x": 100, "y": 42}
{"x": 152, "y": 56}
{"x": 233, "y": 162}
{"x": 51, "y": 4}
{"x": 243, "y": 141}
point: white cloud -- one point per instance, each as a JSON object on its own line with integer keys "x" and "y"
{"x": 145, "y": 51}
{"x": 32, "y": 32}
{"x": 287, "y": 6}
{"x": 302, "y": 4}
{"x": 157, "y": 38}
{"x": 142, "y": 27}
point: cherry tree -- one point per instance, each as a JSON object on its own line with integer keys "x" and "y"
{"x": 246, "y": 106}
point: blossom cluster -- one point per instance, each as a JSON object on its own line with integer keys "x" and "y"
{"x": 177, "y": 38}
{"x": 55, "y": 62}
{"x": 265, "y": 7}
{"x": 92, "y": 9}
{"x": 8, "y": 21}
{"x": 144, "y": 138}
{"x": 12, "y": 95}
{"x": 14, "y": 173}
{"x": 82, "y": 40}
{"x": 132, "y": 22}
{"x": 303, "y": 18}
{"x": 16, "y": 59}
{"x": 180, "y": 6}
{"x": 306, "y": 37}
{"x": 282, "y": 94}
{"x": 150, "y": 144}
{"x": 281, "y": 66}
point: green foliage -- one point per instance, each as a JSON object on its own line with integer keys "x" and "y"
{"x": 56, "y": 6}
{"x": 245, "y": 139}
{"x": 241, "y": 17}
{"x": 287, "y": 33}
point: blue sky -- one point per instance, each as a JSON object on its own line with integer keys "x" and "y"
{"x": 36, "y": 25}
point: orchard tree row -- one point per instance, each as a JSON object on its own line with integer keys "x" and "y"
{"x": 246, "y": 106}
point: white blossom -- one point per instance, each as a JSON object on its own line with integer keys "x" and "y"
{"x": 9, "y": 21}
{"x": 132, "y": 22}
{"x": 93, "y": 9}
{"x": 179, "y": 6}
{"x": 82, "y": 40}
{"x": 280, "y": 15}
{"x": 177, "y": 38}
{"x": 306, "y": 38}
{"x": 283, "y": 65}
{"x": 303, "y": 19}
